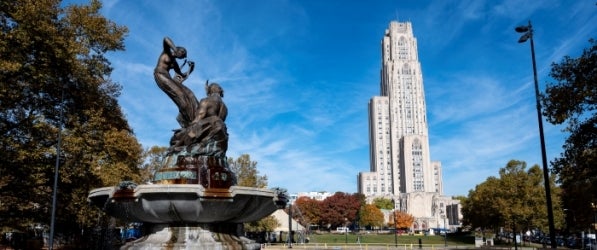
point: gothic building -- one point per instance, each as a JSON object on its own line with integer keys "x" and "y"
{"x": 401, "y": 168}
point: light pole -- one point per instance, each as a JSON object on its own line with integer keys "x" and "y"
{"x": 444, "y": 227}
{"x": 567, "y": 220}
{"x": 289, "y": 225}
{"x": 395, "y": 225}
{"x": 56, "y": 168}
{"x": 445, "y": 232}
{"x": 395, "y": 229}
{"x": 346, "y": 230}
{"x": 528, "y": 34}
{"x": 594, "y": 207}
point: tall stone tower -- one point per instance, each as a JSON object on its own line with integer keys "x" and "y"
{"x": 401, "y": 168}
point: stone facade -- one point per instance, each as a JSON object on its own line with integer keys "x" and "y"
{"x": 401, "y": 168}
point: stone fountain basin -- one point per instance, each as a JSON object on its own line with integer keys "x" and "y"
{"x": 185, "y": 203}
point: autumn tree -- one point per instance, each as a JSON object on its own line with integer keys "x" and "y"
{"x": 152, "y": 161}
{"x": 572, "y": 99}
{"x": 340, "y": 209}
{"x": 401, "y": 220}
{"x": 310, "y": 210}
{"x": 515, "y": 200}
{"x": 371, "y": 216}
{"x": 246, "y": 172}
{"x": 247, "y": 175}
{"x": 57, "y": 101}
{"x": 383, "y": 203}
{"x": 267, "y": 224}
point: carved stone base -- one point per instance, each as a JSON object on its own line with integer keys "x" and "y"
{"x": 193, "y": 236}
{"x": 209, "y": 171}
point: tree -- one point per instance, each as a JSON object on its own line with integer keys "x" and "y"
{"x": 247, "y": 175}
{"x": 246, "y": 172}
{"x": 479, "y": 209}
{"x": 515, "y": 200}
{"x": 402, "y": 220}
{"x": 152, "y": 162}
{"x": 572, "y": 99}
{"x": 383, "y": 203}
{"x": 371, "y": 216}
{"x": 340, "y": 209}
{"x": 310, "y": 209}
{"x": 267, "y": 224}
{"x": 55, "y": 79}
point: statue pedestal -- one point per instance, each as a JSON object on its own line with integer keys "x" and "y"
{"x": 193, "y": 236}
{"x": 209, "y": 171}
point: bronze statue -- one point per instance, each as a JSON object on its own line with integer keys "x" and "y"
{"x": 173, "y": 87}
{"x": 207, "y": 134}
{"x": 197, "y": 152}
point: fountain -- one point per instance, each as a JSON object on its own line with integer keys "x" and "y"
{"x": 193, "y": 202}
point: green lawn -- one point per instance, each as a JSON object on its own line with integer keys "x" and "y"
{"x": 365, "y": 238}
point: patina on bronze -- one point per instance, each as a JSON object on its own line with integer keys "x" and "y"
{"x": 197, "y": 153}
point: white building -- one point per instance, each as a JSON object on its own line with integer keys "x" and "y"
{"x": 320, "y": 196}
{"x": 401, "y": 168}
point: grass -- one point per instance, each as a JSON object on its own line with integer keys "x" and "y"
{"x": 364, "y": 238}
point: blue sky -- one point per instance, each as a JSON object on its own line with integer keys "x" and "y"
{"x": 298, "y": 75}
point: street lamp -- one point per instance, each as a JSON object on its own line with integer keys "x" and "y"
{"x": 442, "y": 214}
{"x": 445, "y": 232}
{"x": 567, "y": 219}
{"x": 528, "y": 34}
{"x": 289, "y": 226}
{"x": 591, "y": 242}
{"x": 395, "y": 225}
{"x": 346, "y": 230}
{"x": 594, "y": 206}
{"x": 395, "y": 229}
{"x": 56, "y": 169}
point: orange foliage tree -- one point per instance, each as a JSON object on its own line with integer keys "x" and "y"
{"x": 310, "y": 210}
{"x": 401, "y": 220}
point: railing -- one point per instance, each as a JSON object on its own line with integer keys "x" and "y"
{"x": 376, "y": 246}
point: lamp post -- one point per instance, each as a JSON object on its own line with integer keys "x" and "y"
{"x": 289, "y": 225}
{"x": 346, "y": 230}
{"x": 445, "y": 232}
{"x": 528, "y": 34}
{"x": 567, "y": 219}
{"x": 56, "y": 168}
{"x": 594, "y": 207}
{"x": 442, "y": 214}
{"x": 395, "y": 229}
{"x": 395, "y": 225}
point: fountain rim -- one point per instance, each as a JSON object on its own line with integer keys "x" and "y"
{"x": 198, "y": 189}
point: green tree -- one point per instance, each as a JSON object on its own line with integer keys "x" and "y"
{"x": 371, "y": 216}
{"x": 479, "y": 209}
{"x": 572, "y": 99}
{"x": 55, "y": 78}
{"x": 383, "y": 203}
{"x": 246, "y": 172}
{"x": 515, "y": 200}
